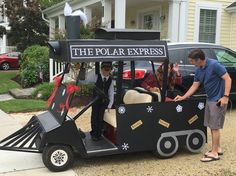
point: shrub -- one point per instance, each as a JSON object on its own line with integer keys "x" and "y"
{"x": 86, "y": 90}
{"x": 45, "y": 90}
{"x": 34, "y": 60}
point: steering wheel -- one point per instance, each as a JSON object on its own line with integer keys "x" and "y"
{"x": 101, "y": 93}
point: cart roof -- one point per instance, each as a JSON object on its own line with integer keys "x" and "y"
{"x": 108, "y": 50}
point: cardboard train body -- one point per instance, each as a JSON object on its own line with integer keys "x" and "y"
{"x": 138, "y": 122}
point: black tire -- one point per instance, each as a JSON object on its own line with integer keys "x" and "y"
{"x": 5, "y": 66}
{"x": 195, "y": 141}
{"x": 58, "y": 157}
{"x": 167, "y": 147}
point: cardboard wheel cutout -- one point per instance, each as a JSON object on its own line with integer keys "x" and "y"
{"x": 195, "y": 141}
{"x": 58, "y": 157}
{"x": 167, "y": 146}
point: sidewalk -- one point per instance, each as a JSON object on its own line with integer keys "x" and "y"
{"x": 21, "y": 163}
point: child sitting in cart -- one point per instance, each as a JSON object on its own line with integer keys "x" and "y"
{"x": 103, "y": 81}
{"x": 155, "y": 85}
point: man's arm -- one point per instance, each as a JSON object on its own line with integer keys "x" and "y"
{"x": 224, "y": 100}
{"x": 190, "y": 92}
{"x": 228, "y": 82}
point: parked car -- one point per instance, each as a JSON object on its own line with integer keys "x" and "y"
{"x": 178, "y": 53}
{"x": 9, "y": 60}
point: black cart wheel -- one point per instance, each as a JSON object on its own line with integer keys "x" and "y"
{"x": 5, "y": 66}
{"x": 195, "y": 141}
{"x": 167, "y": 146}
{"x": 58, "y": 157}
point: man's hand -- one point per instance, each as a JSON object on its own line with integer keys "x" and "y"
{"x": 223, "y": 101}
{"x": 179, "y": 98}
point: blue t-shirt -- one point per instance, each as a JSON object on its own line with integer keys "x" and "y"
{"x": 210, "y": 75}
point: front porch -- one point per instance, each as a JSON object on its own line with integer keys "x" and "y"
{"x": 168, "y": 17}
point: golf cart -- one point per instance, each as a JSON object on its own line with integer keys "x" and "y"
{"x": 139, "y": 121}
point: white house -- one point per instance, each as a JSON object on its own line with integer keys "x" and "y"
{"x": 4, "y": 23}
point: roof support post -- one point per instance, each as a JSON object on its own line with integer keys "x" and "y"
{"x": 120, "y": 13}
{"x": 106, "y": 19}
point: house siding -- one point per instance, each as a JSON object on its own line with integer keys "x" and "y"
{"x": 225, "y": 21}
{"x": 233, "y": 32}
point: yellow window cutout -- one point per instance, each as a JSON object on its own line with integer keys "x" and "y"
{"x": 193, "y": 119}
{"x": 164, "y": 123}
{"x": 136, "y": 124}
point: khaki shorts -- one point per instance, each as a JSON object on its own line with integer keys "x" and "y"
{"x": 214, "y": 115}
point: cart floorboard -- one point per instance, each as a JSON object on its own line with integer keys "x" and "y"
{"x": 98, "y": 147}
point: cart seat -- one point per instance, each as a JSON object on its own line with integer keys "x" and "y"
{"x": 156, "y": 96}
{"x": 130, "y": 97}
{"x": 135, "y": 97}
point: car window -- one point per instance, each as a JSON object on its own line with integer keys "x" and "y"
{"x": 225, "y": 57}
{"x": 206, "y": 51}
{"x": 13, "y": 54}
{"x": 177, "y": 55}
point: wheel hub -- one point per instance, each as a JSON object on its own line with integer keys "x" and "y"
{"x": 59, "y": 158}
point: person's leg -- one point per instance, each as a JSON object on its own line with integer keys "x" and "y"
{"x": 215, "y": 142}
{"x": 94, "y": 119}
{"x": 219, "y": 149}
{"x": 100, "y": 119}
{"x": 214, "y": 119}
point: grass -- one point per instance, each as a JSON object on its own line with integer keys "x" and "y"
{"x": 227, "y": 172}
{"x": 23, "y": 105}
{"x": 6, "y": 83}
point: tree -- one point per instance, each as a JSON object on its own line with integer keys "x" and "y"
{"x": 27, "y": 26}
{"x": 48, "y": 3}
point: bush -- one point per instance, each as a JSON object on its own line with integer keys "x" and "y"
{"x": 45, "y": 90}
{"x": 34, "y": 60}
{"x": 86, "y": 90}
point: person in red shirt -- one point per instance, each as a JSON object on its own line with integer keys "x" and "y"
{"x": 154, "y": 85}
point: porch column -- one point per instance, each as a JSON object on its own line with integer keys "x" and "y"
{"x": 174, "y": 18}
{"x": 183, "y": 21}
{"x": 52, "y": 26}
{"x": 88, "y": 13}
{"x": 120, "y": 13}
{"x": 177, "y": 26}
{"x": 61, "y": 20}
{"x": 106, "y": 19}
{"x": 4, "y": 43}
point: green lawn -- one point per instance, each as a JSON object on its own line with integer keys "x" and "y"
{"x": 6, "y": 83}
{"x": 23, "y": 105}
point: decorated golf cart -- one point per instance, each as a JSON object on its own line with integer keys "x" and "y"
{"x": 139, "y": 120}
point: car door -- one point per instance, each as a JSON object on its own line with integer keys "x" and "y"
{"x": 13, "y": 59}
{"x": 228, "y": 59}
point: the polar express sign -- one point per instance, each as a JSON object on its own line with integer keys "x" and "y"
{"x": 117, "y": 50}
{"x": 103, "y": 51}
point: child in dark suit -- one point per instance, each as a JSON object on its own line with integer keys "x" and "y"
{"x": 103, "y": 82}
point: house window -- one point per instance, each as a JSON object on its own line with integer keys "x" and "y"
{"x": 207, "y": 26}
{"x": 149, "y": 20}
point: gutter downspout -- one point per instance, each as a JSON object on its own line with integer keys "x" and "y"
{"x": 43, "y": 17}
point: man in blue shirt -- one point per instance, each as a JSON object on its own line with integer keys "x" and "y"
{"x": 217, "y": 84}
